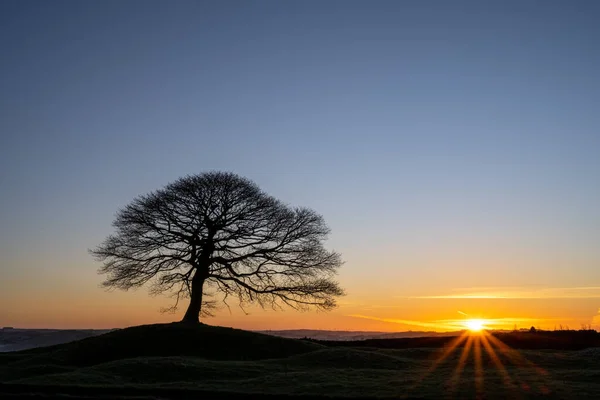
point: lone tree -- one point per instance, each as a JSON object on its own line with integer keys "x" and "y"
{"x": 217, "y": 233}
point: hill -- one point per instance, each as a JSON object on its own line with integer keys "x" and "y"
{"x": 558, "y": 340}
{"x": 171, "y": 361}
{"x": 161, "y": 340}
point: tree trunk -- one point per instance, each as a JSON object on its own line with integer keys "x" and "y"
{"x": 192, "y": 315}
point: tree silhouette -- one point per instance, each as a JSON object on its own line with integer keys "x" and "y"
{"x": 218, "y": 232}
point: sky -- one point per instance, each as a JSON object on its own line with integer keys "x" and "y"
{"x": 452, "y": 147}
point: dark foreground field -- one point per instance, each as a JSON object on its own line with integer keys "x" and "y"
{"x": 182, "y": 361}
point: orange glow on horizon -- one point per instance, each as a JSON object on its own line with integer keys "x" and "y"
{"x": 89, "y": 307}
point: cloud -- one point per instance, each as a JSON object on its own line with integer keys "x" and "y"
{"x": 583, "y": 292}
{"x": 459, "y": 324}
{"x": 433, "y": 325}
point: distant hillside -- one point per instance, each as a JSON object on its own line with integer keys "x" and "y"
{"x": 22, "y": 339}
{"x": 14, "y": 339}
{"x": 559, "y": 340}
{"x": 353, "y": 335}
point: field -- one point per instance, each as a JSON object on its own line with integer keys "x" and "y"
{"x": 183, "y": 361}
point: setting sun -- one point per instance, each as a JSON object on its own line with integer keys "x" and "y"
{"x": 474, "y": 325}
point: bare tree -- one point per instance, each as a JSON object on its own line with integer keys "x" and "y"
{"x": 218, "y": 233}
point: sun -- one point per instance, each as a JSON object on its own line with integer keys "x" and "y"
{"x": 474, "y": 325}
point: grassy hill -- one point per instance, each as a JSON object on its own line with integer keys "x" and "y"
{"x": 192, "y": 361}
{"x": 210, "y": 342}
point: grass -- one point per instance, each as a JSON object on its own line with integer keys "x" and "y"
{"x": 176, "y": 361}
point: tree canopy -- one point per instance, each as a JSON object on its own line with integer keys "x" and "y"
{"x": 218, "y": 234}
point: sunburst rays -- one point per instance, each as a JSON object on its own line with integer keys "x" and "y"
{"x": 482, "y": 352}
{"x": 446, "y": 351}
{"x": 455, "y": 379}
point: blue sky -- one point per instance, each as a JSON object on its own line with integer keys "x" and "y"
{"x": 445, "y": 143}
